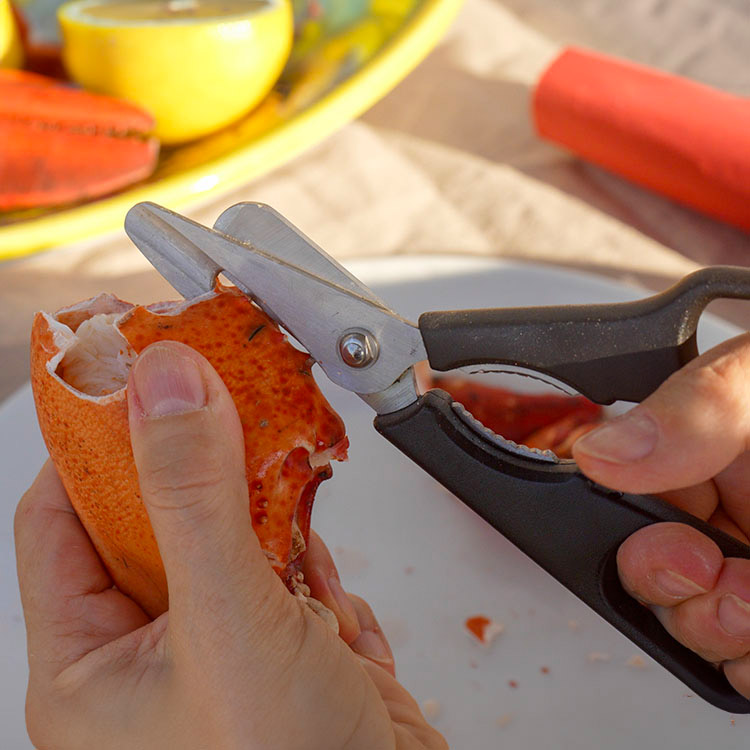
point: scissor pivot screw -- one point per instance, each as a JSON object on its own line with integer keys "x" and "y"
{"x": 358, "y": 348}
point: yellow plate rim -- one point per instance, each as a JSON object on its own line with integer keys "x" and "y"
{"x": 196, "y": 185}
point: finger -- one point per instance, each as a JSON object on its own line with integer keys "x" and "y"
{"x": 189, "y": 451}
{"x": 735, "y": 491}
{"x": 322, "y": 577}
{"x": 371, "y": 642}
{"x": 688, "y": 431}
{"x": 738, "y": 674}
{"x": 410, "y": 726}
{"x": 668, "y": 563}
{"x": 721, "y": 520}
{"x": 701, "y": 500}
{"x": 68, "y": 601}
{"x": 715, "y": 625}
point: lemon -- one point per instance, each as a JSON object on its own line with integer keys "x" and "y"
{"x": 196, "y": 65}
{"x": 11, "y": 50}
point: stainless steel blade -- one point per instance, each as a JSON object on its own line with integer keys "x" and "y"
{"x": 267, "y": 230}
{"x": 317, "y": 312}
{"x": 184, "y": 265}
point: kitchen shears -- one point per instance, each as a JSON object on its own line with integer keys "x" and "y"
{"x": 566, "y": 523}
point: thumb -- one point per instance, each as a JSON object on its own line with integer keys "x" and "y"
{"x": 686, "y": 432}
{"x": 189, "y": 451}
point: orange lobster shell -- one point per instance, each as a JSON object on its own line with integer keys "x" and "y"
{"x": 59, "y": 144}
{"x": 291, "y": 432}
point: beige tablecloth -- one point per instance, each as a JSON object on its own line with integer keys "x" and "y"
{"x": 448, "y": 163}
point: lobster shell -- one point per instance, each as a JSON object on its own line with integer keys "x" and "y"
{"x": 291, "y": 432}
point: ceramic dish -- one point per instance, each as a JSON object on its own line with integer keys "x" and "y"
{"x": 336, "y": 71}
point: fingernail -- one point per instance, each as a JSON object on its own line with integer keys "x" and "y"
{"x": 734, "y": 615}
{"x": 372, "y": 646}
{"x": 628, "y": 438}
{"x": 676, "y": 585}
{"x": 167, "y": 382}
{"x": 343, "y": 601}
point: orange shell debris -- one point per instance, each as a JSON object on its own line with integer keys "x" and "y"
{"x": 483, "y": 629}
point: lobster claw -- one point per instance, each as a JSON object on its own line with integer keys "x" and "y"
{"x": 61, "y": 144}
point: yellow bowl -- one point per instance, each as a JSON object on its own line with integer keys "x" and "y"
{"x": 11, "y": 50}
{"x": 329, "y": 80}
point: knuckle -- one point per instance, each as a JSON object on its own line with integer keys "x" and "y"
{"x": 186, "y": 465}
{"x": 684, "y": 630}
{"x": 723, "y": 380}
{"x": 24, "y": 511}
{"x": 727, "y": 370}
{"x": 696, "y": 628}
{"x": 19, "y": 517}
{"x": 81, "y": 621}
{"x": 190, "y": 509}
{"x": 184, "y": 484}
{"x": 713, "y": 380}
{"x": 184, "y": 474}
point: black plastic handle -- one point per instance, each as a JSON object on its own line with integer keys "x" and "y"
{"x": 611, "y": 352}
{"x": 566, "y": 523}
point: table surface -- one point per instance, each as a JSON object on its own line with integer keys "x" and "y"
{"x": 448, "y": 163}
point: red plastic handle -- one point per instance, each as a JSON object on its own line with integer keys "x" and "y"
{"x": 680, "y": 138}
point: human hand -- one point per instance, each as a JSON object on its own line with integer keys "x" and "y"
{"x": 688, "y": 443}
{"x": 237, "y": 661}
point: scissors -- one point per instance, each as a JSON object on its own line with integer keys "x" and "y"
{"x": 566, "y": 523}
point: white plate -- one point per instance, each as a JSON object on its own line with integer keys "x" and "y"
{"x": 383, "y": 516}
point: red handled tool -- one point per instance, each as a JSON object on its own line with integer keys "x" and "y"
{"x": 680, "y": 138}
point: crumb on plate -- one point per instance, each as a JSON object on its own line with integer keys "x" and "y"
{"x": 504, "y": 720}
{"x": 483, "y": 629}
{"x": 594, "y": 656}
{"x": 636, "y": 661}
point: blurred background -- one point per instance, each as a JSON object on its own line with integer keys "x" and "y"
{"x": 445, "y": 161}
